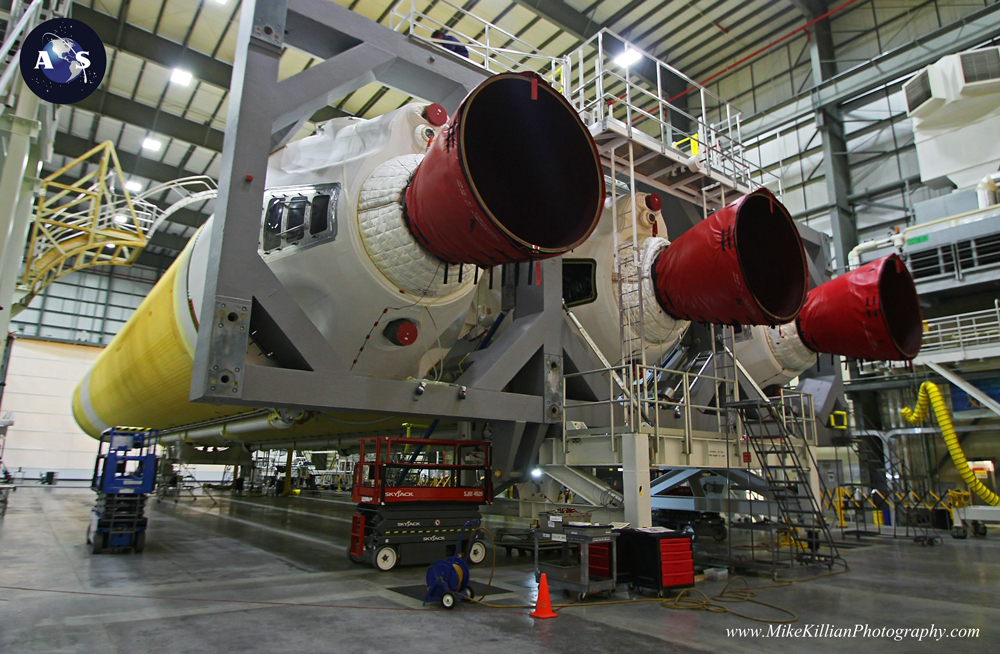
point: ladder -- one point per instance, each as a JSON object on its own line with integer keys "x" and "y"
{"x": 628, "y": 268}
{"x": 787, "y": 482}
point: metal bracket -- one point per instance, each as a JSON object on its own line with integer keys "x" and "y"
{"x": 553, "y": 388}
{"x": 269, "y": 22}
{"x": 230, "y": 335}
{"x": 19, "y": 125}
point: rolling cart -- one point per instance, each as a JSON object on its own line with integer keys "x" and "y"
{"x": 657, "y": 559}
{"x": 124, "y": 475}
{"x": 596, "y": 570}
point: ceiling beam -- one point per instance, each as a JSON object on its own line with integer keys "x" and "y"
{"x": 563, "y": 16}
{"x": 144, "y": 116}
{"x": 967, "y": 32}
{"x": 152, "y": 260}
{"x": 809, "y": 8}
{"x": 164, "y": 52}
{"x": 142, "y": 44}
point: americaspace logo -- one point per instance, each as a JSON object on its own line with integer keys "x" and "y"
{"x": 62, "y": 61}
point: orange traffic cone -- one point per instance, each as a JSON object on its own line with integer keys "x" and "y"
{"x": 543, "y": 607}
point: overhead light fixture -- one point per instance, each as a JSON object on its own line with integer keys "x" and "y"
{"x": 536, "y": 473}
{"x": 628, "y": 57}
{"x": 109, "y": 245}
{"x": 121, "y": 219}
{"x": 181, "y": 77}
{"x": 151, "y": 144}
{"x": 133, "y": 187}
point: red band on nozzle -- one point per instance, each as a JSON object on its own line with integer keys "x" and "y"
{"x": 509, "y": 179}
{"x": 744, "y": 264}
{"x": 871, "y": 313}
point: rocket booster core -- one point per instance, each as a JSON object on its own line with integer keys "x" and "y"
{"x": 514, "y": 176}
{"x": 745, "y": 264}
{"x": 870, "y": 313}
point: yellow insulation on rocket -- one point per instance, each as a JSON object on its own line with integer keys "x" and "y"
{"x": 143, "y": 376}
{"x": 930, "y": 396}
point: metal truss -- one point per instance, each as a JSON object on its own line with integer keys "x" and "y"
{"x": 514, "y": 384}
{"x": 91, "y": 222}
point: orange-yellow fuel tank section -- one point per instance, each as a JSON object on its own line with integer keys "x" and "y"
{"x": 143, "y": 377}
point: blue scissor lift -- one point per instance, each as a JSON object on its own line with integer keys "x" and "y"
{"x": 124, "y": 475}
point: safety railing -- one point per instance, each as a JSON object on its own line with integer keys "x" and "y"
{"x": 605, "y": 84}
{"x": 798, "y": 414}
{"x": 88, "y": 223}
{"x": 964, "y": 333}
{"x": 480, "y": 42}
{"x": 190, "y": 190}
{"x": 24, "y": 16}
{"x": 95, "y": 221}
{"x": 661, "y": 398}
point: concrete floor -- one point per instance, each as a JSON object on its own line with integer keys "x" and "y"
{"x": 208, "y": 575}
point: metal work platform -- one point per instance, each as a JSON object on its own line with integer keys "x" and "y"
{"x": 678, "y": 150}
{"x": 695, "y": 153}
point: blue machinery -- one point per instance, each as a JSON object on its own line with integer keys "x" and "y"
{"x": 124, "y": 474}
{"x": 448, "y": 579}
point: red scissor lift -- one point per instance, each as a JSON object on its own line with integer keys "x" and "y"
{"x": 415, "y": 497}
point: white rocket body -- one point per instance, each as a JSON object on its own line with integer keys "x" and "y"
{"x": 372, "y": 272}
{"x": 601, "y": 318}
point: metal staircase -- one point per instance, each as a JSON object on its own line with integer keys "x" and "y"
{"x": 775, "y": 446}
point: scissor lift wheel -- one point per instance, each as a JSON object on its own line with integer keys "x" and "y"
{"x": 386, "y": 558}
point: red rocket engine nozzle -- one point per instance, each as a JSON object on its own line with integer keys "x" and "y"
{"x": 514, "y": 176}
{"x": 745, "y": 264}
{"x": 870, "y": 313}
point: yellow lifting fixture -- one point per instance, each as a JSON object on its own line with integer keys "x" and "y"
{"x": 90, "y": 222}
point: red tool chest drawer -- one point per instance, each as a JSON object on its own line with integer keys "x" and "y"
{"x": 678, "y": 579}
{"x": 675, "y": 567}
{"x": 600, "y": 560}
{"x": 668, "y": 557}
{"x": 675, "y": 545}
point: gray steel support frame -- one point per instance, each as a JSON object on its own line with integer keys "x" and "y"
{"x": 515, "y": 384}
{"x": 836, "y": 168}
{"x": 967, "y": 32}
{"x": 26, "y": 144}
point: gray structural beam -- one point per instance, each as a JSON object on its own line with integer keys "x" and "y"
{"x": 142, "y": 44}
{"x": 974, "y": 29}
{"x": 563, "y": 16}
{"x": 836, "y": 167}
{"x": 161, "y": 122}
{"x": 238, "y": 277}
{"x": 515, "y": 383}
{"x": 973, "y": 391}
{"x": 357, "y": 51}
{"x": 809, "y": 9}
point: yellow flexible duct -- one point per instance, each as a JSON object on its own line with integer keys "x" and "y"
{"x": 929, "y": 395}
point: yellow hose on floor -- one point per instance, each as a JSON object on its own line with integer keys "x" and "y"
{"x": 929, "y": 395}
